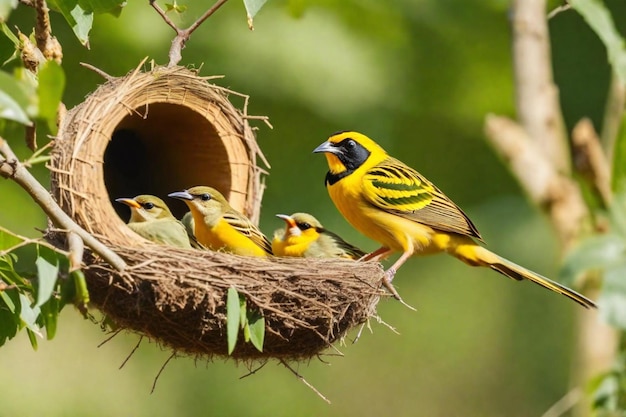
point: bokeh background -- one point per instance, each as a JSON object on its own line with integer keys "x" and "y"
{"x": 419, "y": 76}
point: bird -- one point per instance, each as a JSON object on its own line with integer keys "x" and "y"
{"x": 305, "y": 237}
{"x": 220, "y": 227}
{"x": 152, "y": 219}
{"x": 395, "y": 205}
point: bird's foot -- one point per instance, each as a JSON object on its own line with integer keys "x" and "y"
{"x": 387, "y": 278}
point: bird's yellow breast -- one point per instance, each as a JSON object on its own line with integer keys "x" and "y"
{"x": 222, "y": 236}
{"x": 292, "y": 245}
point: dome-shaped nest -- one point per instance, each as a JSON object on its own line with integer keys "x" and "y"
{"x": 166, "y": 130}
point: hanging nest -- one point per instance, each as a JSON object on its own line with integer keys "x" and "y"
{"x": 165, "y": 130}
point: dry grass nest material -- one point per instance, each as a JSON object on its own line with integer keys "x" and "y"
{"x": 168, "y": 129}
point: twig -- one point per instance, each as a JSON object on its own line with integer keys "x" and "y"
{"x": 590, "y": 161}
{"x": 97, "y": 71}
{"x": 132, "y": 352}
{"x": 183, "y": 35}
{"x": 304, "y": 381}
{"x": 156, "y": 378}
{"x": 254, "y": 371}
{"x": 563, "y": 405}
{"x": 10, "y": 167}
{"x": 28, "y": 241}
{"x": 108, "y": 339}
{"x": 537, "y": 99}
{"x": 77, "y": 248}
{"x": 559, "y": 9}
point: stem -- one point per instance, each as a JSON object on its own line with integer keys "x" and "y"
{"x": 10, "y": 167}
{"x": 183, "y": 35}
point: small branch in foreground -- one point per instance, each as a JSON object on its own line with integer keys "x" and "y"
{"x": 10, "y": 167}
{"x": 183, "y": 35}
{"x": 304, "y": 381}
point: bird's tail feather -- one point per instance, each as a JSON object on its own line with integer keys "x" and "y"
{"x": 512, "y": 270}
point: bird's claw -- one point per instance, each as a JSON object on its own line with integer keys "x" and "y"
{"x": 387, "y": 278}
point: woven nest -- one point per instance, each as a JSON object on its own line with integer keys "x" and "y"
{"x": 166, "y": 130}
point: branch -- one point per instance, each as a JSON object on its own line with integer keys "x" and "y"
{"x": 544, "y": 184}
{"x": 590, "y": 160}
{"x": 183, "y": 35}
{"x": 537, "y": 98}
{"x": 47, "y": 44}
{"x": 10, "y": 167}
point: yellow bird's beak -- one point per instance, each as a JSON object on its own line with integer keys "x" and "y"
{"x": 288, "y": 219}
{"x": 181, "y": 195}
{"x": 129, "y": 202}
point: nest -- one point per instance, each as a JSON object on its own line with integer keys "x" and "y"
{"x": 166, "y": 130}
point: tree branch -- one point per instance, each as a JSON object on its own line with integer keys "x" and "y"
{"x": 545, "y": 185}
{"x": 537, "y": 98}
{"x": 590, "y": 160}
{"x": 183, "y": 35}
{"x": 10, "y": 167}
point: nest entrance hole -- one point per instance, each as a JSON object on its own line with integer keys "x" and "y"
{"x": 164, "y": 148}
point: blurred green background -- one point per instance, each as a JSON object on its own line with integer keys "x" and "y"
{"x": 419, "y": 77}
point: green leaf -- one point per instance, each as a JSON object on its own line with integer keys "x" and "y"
{"x": 619, "y": 159}
{"x": 612, "y": 299}
{"x": 47, "y": 273}
{"x": 113, "y": 7}
{"x": 81, "y": 294}
{"x": 29, "y": 315}
{"x": 6, "y": 7}
{"x": 232, "y": 318}
{"x": 252, "y": 8}
{"x": 595, "y": 252}
{"x": 256, "y": 325}
{"x": 599, "y": 19}
{"x": 13, "y": 102}
{"x": 9, "y": 315}
{"x": 79, "y": 19}
{"x": 242, "y": 310}
{"x": 8, "y": 239}
{"x": 32, "y": 336}
{"x": 50, "y": 316}
{"x": 50, "y": 91}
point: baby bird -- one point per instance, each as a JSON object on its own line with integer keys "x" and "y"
{"x": 152, "y": 219}
{"x": 218, "y": 226}
{"x": 305, "y": 237}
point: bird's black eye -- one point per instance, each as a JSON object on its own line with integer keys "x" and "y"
{"x": 351, "y": 144}
{"x": 205, "y": 197}
{"x": 148, "y": 206}
{"x": 304, "y": 226}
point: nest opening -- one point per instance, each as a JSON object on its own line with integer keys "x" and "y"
{"x": 163, "y": 147}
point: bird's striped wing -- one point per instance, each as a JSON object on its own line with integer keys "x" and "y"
{"x": 345, "y": 248}
{"x": 244, "y": 226}
{"x": 399, "y": 189}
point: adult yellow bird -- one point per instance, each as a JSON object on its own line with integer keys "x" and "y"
{"x": 305, "y": 237}
{"x": 152, "y": 219}
{"x": 396, "y": 206}
{"x": 218, "y": 226}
